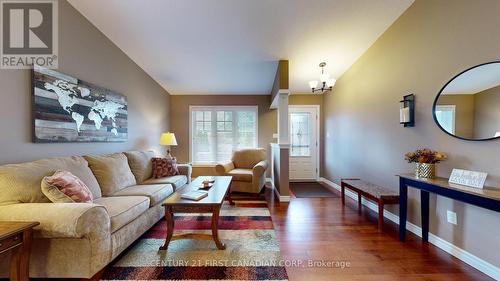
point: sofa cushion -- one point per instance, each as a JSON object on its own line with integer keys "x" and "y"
{"x": 247, "y": 158}
{"x": 64, "y": 187}
{"x": 155, "y": 192}
{"x": 241, "y": 174}
{"x": 123, "y": 209}
{"x": 20, "y": 183}
{"x": 176, "y": 181}
{"x": 164, "y": 167}
{"x": 112, "y": 172}
{"x": 140, "y": 164}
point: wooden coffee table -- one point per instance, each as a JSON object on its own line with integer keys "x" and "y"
{"x": 210, "y": 204}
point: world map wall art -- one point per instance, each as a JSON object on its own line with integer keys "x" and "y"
{"x": 66, "y": 109}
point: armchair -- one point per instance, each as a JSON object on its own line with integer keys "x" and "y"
{"x": 248, "y": 168}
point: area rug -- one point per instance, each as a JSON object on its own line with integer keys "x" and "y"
{"x": 252, "y": 251}
{"x": 310, "y": 190}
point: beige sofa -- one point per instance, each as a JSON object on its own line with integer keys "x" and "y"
{"x": 248, "y": 168}
{"x": 77, "y": 240}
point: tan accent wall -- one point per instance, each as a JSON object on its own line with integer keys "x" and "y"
{"x": 464, "y": 113}
{"x": 487, "y": 114}
{"x": 84, "y": 52}
{"x": 427, "y": 46}
{"x": 179, "y": 116}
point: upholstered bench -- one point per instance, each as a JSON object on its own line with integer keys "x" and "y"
{"x": 372, "y": 192}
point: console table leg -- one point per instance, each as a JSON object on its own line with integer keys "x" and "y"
{"x": 215, "y": 228}
{"x": 424, "y": 210}
{"x": 169, "y": 216}
{"x": 403, "y": 198}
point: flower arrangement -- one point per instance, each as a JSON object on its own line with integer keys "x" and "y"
{"x": 425, "y": 155}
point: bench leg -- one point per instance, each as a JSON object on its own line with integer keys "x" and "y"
{"x": 380, "y": 215}
{"x": 342, "y": 192}
{"x": 359, "y": 202}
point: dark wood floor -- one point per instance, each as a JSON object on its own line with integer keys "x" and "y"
{"x": 322, "y": 229}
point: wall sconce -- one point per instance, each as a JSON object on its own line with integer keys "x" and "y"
{"x": 407, "y": 111}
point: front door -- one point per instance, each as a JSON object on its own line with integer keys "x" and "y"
{"x": 304, "y": 146}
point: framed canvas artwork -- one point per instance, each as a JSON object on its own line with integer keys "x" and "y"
{"x": 66, "y": 109}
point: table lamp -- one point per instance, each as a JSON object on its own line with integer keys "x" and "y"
{"x": 168, "y": 139}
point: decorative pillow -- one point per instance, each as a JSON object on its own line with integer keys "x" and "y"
{"x": 64, "y": 187}
{"x": 164, "y": 167}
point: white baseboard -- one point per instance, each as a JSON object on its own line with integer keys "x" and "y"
{"x": 461, "y": 254}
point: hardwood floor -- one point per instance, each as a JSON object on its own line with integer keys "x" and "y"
{"x": 323, "y": 230}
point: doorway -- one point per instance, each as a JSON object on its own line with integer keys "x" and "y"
{"x": 304, "y": 142}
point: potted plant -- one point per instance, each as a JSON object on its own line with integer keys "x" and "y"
{"x": 425, "y": 161}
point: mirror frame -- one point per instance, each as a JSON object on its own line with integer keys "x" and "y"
{"x": 439, "y": 94}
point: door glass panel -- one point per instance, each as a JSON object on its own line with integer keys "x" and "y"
{"x": 300, "y": 134}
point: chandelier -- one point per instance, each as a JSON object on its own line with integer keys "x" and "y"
{"x": 326, "y": 82}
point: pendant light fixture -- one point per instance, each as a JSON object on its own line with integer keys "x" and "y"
{"x": 325, "y": 80}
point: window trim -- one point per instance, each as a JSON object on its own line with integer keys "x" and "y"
{"x": 254, "y": 108}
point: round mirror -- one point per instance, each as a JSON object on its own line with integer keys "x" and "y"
{"x": 468, "y": 107}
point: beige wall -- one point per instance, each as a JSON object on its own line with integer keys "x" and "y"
{"x": 487, "y": 114}
{"x": 464, "y": 113}
{"x": 86, "y": 53}
{"x": 427, "y": 46}
{"x": 179, "y": 116}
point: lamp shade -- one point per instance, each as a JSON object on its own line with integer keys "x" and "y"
{"x": 168, "y": 139}
{"x": 313, "y": 84}
{"x": 330, "y": 82}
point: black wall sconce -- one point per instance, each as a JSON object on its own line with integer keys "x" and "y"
{"x": 407, "y": 111}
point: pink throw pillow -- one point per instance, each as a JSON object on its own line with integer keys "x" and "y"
{"x": 164, "y": 167}
{"x": 64, "y": 187}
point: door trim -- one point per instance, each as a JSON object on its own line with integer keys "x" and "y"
{"x": 318, "y": 133}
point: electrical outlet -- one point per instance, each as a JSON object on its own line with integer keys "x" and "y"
{"x": 452, "y": 217}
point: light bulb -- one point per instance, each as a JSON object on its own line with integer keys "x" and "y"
{"x": 313, "y": 84}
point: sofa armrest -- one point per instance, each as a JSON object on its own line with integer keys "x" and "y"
{"x": 223, "y": 168}
{"x": 259, "y": 169}
{"x": 61, "y": 220}
{"x": 185, "y": 169}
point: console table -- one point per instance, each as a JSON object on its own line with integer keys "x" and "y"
{"x": 487, "y": 198}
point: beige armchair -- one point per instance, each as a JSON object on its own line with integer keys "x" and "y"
{"x": 248, "y": 169}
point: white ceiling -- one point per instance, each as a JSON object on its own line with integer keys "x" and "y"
{"x": 232, "y": 46}
{"x": 475, "y": 80}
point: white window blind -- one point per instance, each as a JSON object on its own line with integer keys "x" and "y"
{"x": 217, "y": 131}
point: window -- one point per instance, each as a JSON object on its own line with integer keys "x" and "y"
{"x": 216, "y": 131}
{"x": 445, "y": 115}
{"x": 300, "y": 136}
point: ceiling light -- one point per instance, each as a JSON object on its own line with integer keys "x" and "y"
{"x": 326, "y": 82}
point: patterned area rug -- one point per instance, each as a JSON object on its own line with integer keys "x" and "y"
{"x": 251, "y": 253}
